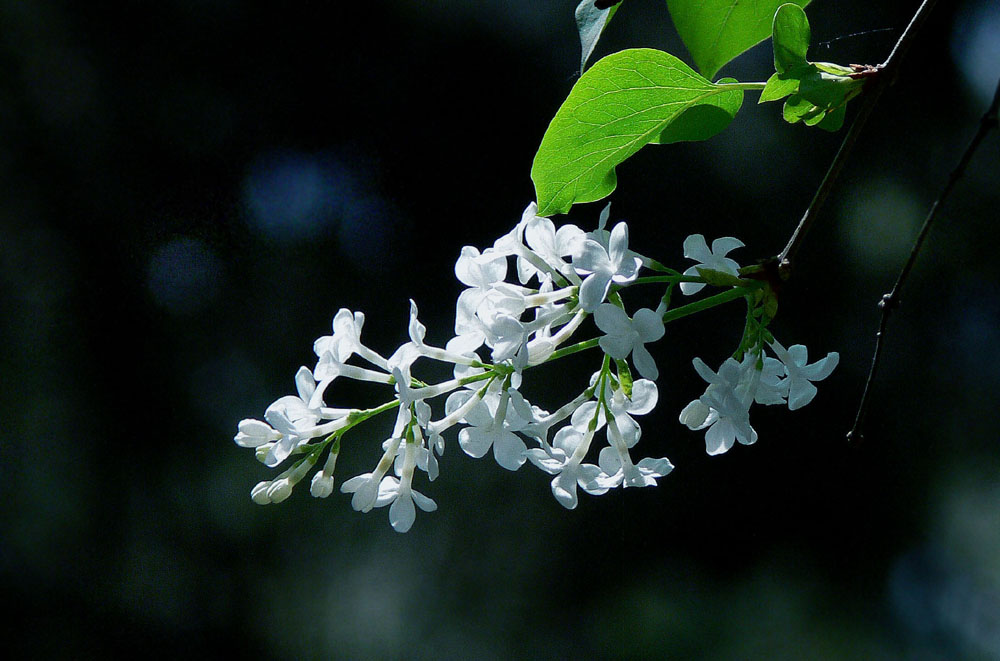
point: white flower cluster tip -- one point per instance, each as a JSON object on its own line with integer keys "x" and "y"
{"x": 503, "y": 328}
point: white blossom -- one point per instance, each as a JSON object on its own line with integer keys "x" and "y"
{"x": 604, "y": 265}
{"x": 800, "y": 375}
{"x": 715, "y": 259}
{"x": 624, "y": 336}
{"x": 727, "y": 417}
{"x": 493, "y": 422}
{"x": 563, "y": 459}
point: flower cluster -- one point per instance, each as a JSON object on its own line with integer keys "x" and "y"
{"x": 525, "y": 298}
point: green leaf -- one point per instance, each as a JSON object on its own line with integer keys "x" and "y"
{"x": 832, "y": 121}
{"x": 791, "y": 38}
{"x": 590, "y": 22}
{"x": 623, "y": 102}
{"x": 624, "y": 376}
{"x": 703, "y": 121}
{"x": 778, "y": 87}
{"x": 719, "y": 278}
{"x": 716, "y": 31}
{"x": 819, "y": 90}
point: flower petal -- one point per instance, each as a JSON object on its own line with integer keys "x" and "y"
{"x": 402, "y": 513}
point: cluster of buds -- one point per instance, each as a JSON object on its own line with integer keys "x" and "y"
{"x": 505, "y": 328}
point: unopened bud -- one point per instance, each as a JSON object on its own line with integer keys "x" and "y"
{"x": 259, "y": 493}
{"x": 279, "y": 490}
{"x": 322, "y": 484}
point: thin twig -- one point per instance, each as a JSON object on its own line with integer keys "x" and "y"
{"x": 890, "y": 301}
{"x": 887, "y": 72}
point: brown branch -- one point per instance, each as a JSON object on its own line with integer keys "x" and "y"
{"x": 890, "y": 301}
{"x": 886, "y": 74}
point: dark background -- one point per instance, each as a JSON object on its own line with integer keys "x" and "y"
{"x": 191, "y": 189}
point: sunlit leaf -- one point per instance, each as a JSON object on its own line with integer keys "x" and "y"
{"x": 716, "y": 31}
{"x": 791, "y": 38}
{"x": 705, "y": 120}
{"x": 625, "y": 101}
{"x": 778, "y": 87}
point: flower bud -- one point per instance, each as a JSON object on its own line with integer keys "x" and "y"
{"x": 259, "y": 493}
{"x": 279, "y": 490}
{"x": 254, "y": 433}
{"x": 322, "y": 484}
{"x": 694, "y": 414}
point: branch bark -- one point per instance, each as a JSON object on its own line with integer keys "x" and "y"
{"x": 885, "y": 76}
{"x": 890, "y": 301}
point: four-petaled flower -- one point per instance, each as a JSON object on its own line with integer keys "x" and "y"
{"x": 800, "y": 375}
{"x": 616, "y": 263}
{"x": 624, "y": 336}
{"x": 715, "y": 259}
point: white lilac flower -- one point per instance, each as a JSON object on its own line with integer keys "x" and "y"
{"x": 772, "y": 387}
{"x": 322, "y": 482}
{"x": 800, "y": 375}
{"x": 563, "y": 459}
{"x": 480, "y": 272}
{"x": 715, "y": 259}
{"x": 624, "y": 336}
{"x": 643, "y": 400}
{"x": 552, "y": 246}
{"x": 400, "y": 494}
{"x": 365, "y": 490}
{"x": 724, "y": 408}
{"x": 296, "y": 418}
{"x": 254, "y": 433}
{"x": 502, "y": 298}
{"x": 402, "y": 498}
{"x": 346, "y": 339}
{"x": 604, "y": 265}
{"x": 259, "y": 493}
{"x": 617, "y": 467}
{"x": 508, "y": 338}
{"x": 366, "y": 487}
{"x": 493, "y": 422}
{"x": 512, "y": 243}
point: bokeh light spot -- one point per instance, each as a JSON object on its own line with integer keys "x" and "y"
{"x": 184, "y": 275}
{"x": 878, "y": 222}
{"x": 975, "y": 46}
{"x": 293, "y": 196}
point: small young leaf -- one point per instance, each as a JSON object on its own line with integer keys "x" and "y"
{"x": 716, "y": 31}
{"x": 592, "y": 16}
{"x": 833, "y": 120}
{"x": 819, "y": 91}
{"x": 796, "y": 109}
{"x": 719, "y": 278}
{"x": 791, "y": 38}
{"x": 623, "y": 102}
{"x": 778, "y": 87}
{"x": 624, "y": 376}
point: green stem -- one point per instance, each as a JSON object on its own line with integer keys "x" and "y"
{"x": 741, "y": 86}
{"x": 573, "y": 348}
{"x": 649, "y": 279}
{"x": 670, "y": 315}
{"x": 706, "y": 303}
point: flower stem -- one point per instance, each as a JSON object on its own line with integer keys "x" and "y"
{"x": 706, "y": 303}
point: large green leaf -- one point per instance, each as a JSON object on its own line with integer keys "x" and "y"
{"x": 716, "y": 31}
{"x": 590, "y": 22}
{"x": 623, "y": 102}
